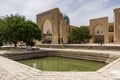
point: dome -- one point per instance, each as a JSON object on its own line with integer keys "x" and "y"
{"x": 66, "y": 18}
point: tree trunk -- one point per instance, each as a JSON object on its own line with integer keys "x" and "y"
{"x": 15, "y": 44}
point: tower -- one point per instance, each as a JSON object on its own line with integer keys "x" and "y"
{"x": 117, "y": 25}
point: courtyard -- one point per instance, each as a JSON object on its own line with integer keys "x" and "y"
{"x": 60, "y": 40}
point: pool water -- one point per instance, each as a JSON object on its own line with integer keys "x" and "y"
{"x": 63, "y": 64}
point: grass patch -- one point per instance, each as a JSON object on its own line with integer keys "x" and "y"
{"x": 10, "y": 48}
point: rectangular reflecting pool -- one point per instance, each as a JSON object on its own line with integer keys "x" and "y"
{"x": 63, "y": 64}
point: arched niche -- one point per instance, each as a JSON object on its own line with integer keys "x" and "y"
{"x": 99, "y": 30}
{"x": 99, "y": 33}
{"x": 47, "y": 27}
{"x": 47, "y": 32}
{"x": 111, "y": 28}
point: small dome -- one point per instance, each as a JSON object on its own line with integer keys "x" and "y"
{"x": 66, "y": 18}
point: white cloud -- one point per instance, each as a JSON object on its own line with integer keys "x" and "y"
{"x": 90, "y": 10}
{"x": 79, "y": 11}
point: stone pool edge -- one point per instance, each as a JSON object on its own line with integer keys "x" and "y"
{"x": 17, "y": 71}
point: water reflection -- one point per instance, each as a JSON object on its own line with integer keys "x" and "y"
{"x": 34, "y": 65}
{"x": 63, "y": 64}
{"x": 55, "y": 65}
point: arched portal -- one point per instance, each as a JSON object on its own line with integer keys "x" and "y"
{"x": 47, "y": 32}
{"x": 99, "y": 34}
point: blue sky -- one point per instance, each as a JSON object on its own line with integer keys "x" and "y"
{"x": 79, "y": 11}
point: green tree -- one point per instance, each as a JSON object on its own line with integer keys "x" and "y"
{"x": 84, "y": 33}
{"x": 28, "y": 32}
{"x": 15, "y": 28}
{"x": 74, "y": 33}
{"x": 9, "y": 26}
{"x": 80, "y": 34}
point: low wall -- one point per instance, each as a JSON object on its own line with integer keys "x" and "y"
{"x": 82, "y": 46}
{"x": 69, "y": 54}
{"x": 80, "y": 55}
{"x": 24, "y": 55}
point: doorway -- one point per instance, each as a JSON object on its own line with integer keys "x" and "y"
{"x": 99, "y": 39}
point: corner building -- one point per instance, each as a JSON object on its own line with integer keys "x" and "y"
{"x": 105, "y": 32}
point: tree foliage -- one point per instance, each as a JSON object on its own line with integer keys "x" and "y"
{"x": 9, "y": 26}
{"x": 15, "y": 28}
{"x": 80, "y": 33}
{"x": 28, "y": 32}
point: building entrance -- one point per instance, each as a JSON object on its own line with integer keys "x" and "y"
{"x": 99, "y": 39}
{"x": 47, "y": 32}
{"x": 47, "y": 38}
